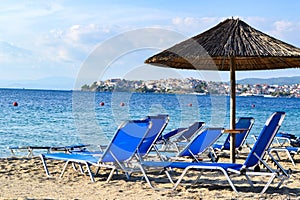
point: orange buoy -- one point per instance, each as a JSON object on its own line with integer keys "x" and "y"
{"x": 122, "y": 104}
{"x": 101, "y": 103}
{"x": 190, "y": 105}
{"x": 15, "y": 103}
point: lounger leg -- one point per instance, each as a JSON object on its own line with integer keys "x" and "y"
{"x": 74, "y": 166}
{"x": 127, "y": 174}
{"x": 90, "y": 172}
{"x": 291, "y": 158}
{"x": 277, "y": 154}
{"x": 268, "y": 184}
{"x": 277, "y": 141}
{"x": 97, "y": 171}
{"x": 249, "y": 180}
{"x": 111, "y": 174}
{"x": 30, "y": 153}
{"x": 213, "y": 155}
{"x": 158, "y": 154}
{"x": 12, "y": 152}
{"x": 224, "y": 172}
{"x": 229, "y": 180}
{"x": 169, "y": 176}
{"x": 45, "y": 165}
{"x": 81, "y": 169}
{"x": 197, "y": 179}
{"x": 64, "y": 169}
{"x": 146, "y": 177}
{"x": 281, "y": 182}
{"x": 180, "y": 178}
{"x": 176, "y": 147}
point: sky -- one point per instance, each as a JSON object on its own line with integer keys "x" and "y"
{"x": 62, "y": 44}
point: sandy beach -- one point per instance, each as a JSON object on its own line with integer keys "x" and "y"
{"x": 24, "y": 178}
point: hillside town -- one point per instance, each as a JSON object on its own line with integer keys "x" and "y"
{"x": 192, "y": 85}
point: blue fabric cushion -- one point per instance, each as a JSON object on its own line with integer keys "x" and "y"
{"x": 290, "y": 149}
{"x": 201, "y": 142}
{"x": 217, "y": 146}
{"x": 64, "y": 156}
{"x": 265, "y": 138}
{"x": 183, "y": 165}
{"x": 158, "y": 124}
{"x": 125, "y": 142}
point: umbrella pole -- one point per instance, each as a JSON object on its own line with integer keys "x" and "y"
{"x": 232, "y": 108}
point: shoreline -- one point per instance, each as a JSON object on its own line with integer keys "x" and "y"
{"x": 167, "y": 93}
{"x": 24, "y": 178}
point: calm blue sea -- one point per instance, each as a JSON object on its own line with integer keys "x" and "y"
{"x": 58, "y": 118}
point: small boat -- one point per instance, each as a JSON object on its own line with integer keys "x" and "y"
{"x": 269, "y": 96}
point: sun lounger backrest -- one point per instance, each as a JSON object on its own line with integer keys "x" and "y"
{"x": 159, "y": 123}
{"x": 201, "y": 142}
{"x": 265, "y": 138}
{"x": 242, "y": 123}
{"x": 190, "y": 131}
{"x": 172, "y": 133}
{"x": 126, "y": 140}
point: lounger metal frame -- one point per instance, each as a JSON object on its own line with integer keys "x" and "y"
{"x": 181, "y": 138}
{"x": 227, "y": 169}
{"x": 110, "y": 158}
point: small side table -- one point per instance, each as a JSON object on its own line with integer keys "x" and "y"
{"x": 232, "y": 133}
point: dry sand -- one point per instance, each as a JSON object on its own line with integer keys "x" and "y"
{"x": 24, "y": 178}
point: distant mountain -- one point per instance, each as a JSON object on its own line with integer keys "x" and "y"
{"x": 53, "y": 83}
{"x": 66, "y": 83}
{"x": 271, "y": 81}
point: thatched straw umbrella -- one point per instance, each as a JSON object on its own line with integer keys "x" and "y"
{"x": 231, "y": 45}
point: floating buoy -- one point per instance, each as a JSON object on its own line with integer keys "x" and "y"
{"x": 253, "y": 105}
{"x": 15, "y": 103}
{"x": 101, "y": 103}
{"x": 122, "y": 104}
{"x": 190, "y": 105}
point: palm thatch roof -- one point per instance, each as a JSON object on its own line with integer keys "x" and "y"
{"x": 232, "y": 38}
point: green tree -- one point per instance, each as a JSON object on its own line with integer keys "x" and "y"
{"x": 85, "y": 87}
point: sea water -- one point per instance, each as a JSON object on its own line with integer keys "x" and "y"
{"x": 59, "y": 118}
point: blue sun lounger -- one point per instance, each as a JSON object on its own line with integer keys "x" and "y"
{"x": 49, "y": 149}
{"x": 121, "y": 149}
{"x": 201, "y": 143}
{"x": 249, "y": 168}
{"x": 290, "y": 151}
{"x": 187, "y": 134}
{"x": 159, "y": 123}
{"x": 173, "y": 140}
{"x": 243, "y": 123}
{"x": 165, "y": 137}
{"x": 281, "y": 139}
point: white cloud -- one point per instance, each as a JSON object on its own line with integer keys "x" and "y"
{"x": 283, "y": 26}
{"x": 73, "y": 32}
{"x": 285, "y": 30}
{"x": 56, "y": 36}
{"x": 198, "y": 25}
{"x": 85, "y": 33}
{"x": 75, "y": 42}
{"x": 10, "y": 53}
{"x": 193, "y": 25}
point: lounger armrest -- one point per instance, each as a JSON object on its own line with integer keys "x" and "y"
{"x": 102, "y": 147}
